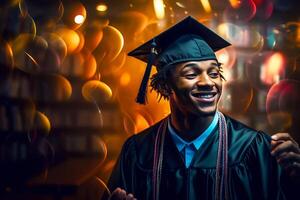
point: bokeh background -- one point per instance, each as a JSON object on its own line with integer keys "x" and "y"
{"x": 68, "y": 88}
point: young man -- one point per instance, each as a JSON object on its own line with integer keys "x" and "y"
{"x": 197, "y": 152}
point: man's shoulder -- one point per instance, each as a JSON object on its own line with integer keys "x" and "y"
{"x": 244, "y": 132}
{"x": 243, "y": 138}
{"x": 145, "y": 137}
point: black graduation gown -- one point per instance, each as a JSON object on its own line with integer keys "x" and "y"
{"x": 252, "y": 172}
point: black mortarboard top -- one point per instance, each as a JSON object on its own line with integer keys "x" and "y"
{"x": 187, "y": 40}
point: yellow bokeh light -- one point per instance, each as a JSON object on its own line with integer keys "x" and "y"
{"x": 235, "y": 3}
{"x": 96, "y": 91}
{"x": 70, "y": 37}
{"x": 159, "y": 8}
{"x": 275, "y": 62}
{"x": 42, "y": 123}
{"x": 101, "y": 7}
{"x": 140, "y": 123}
{"x": 180, "y": 5}
{"x": 206, "y": 5}
{"x": 125, "y": 79}
{"x": 79, "y": 19}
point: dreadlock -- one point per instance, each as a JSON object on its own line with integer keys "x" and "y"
{"x": 160, "y": 83}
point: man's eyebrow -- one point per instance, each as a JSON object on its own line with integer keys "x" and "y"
{"x": 189, "y": 65}
{"x": 215, "y": 64}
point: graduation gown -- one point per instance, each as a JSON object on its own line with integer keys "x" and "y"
{"x": 252, "y": 172}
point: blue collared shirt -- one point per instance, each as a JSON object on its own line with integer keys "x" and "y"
{"x": 188, "y": 149}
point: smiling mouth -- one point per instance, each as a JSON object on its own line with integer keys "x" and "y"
{"x": 205, "y": 97}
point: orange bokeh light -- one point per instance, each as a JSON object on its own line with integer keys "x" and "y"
{"x": 272, "y": 68}
{"x": 101, "y": 7}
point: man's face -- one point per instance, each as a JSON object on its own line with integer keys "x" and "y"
{"x": 196, "y": 87}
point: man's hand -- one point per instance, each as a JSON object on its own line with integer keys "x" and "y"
{"x": 287, "y": 153}
{"x": 119, "y": 194}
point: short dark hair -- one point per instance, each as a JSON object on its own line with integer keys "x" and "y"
{"x": 160, "y": 82}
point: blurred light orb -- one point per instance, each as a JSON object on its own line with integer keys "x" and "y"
{"x": 180, "y": 5}
{"x": 230, "y": 32}
{"x": 256, "y": 70}
{"x": 96, "y": 91}
{"x": 281, "y": 121}
{"x": 227, "y": 57}
{"x": 223, "y": 57}
{"x": 47, "y": 13}
{"x": 109, "y": 47}
{"x": 51, "y": 62}
{"x": 239, "y": 36}
{"x": 238, "y": 95}
{"x": 235, "y": 3}
{"x": 72, "y": 12}
{"x": 52, "y": 87}
{"x": 132, "y": 24}
{"x": 72, "y": 65}
{"x": 93, "y": 35}
{"x": 242, "y": 11}
{"x": 92, "y": 189}
{"x": 70, "y": 37}
{"x": 129, "y": 124}
{"x": 140, "y": 123}
{"x": 283, "y": 98}
{"x": 286, "y": 37}
{"x": 271, "y": 37}
{"x": 159, "y": 8}
{"x": 6, "y": 57}
{"x": 41, "y": 123}
{"x": 28, "y": 110}
{"x": 101, "y": 7}
{"x": 134, "y": 122}
{"x": 272, "y": 68}
{"x": 81, "y": 42}
{"x": 89, "y": 65}
{"x": 206, "y": 5}
{"x": 125, "y": 79}
{"x": 293, "y": 30}
{"x": 264, "y": 8}
{"x": 79, "y": 19}
{"x": 29, "y": 52}
{"x": 290, "y": 97}
{"x": 27, "y": 25}
{"x": 115, "y": 66}
{"x": 82, "y": 65}
{"x": 56, "y": 43}
{"x": 99, "y": 147}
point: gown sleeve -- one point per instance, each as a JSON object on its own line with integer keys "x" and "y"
{"x": 271, "y": 178}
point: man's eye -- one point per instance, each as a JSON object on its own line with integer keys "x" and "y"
{"x": 190, "y": 76}
{"x": 214, "y": 74}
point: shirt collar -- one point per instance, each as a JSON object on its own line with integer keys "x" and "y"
{"x": 180, "y": 143}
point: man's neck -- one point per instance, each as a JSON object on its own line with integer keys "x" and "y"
{"x": 189, "y": 127}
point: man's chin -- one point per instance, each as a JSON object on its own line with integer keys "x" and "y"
{"x": 206, "y": 112}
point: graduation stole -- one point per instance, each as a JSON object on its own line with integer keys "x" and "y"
{"x": 221, "y": 188}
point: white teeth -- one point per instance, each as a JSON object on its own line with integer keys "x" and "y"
{"x": 206, "y": 96}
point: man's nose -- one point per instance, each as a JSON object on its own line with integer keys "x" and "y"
{"x": 205, "y": 80}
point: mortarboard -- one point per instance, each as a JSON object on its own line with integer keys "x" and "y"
{"x": 187, "y": 40}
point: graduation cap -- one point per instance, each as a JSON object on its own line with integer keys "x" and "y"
{"x": 187, "y": 40}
